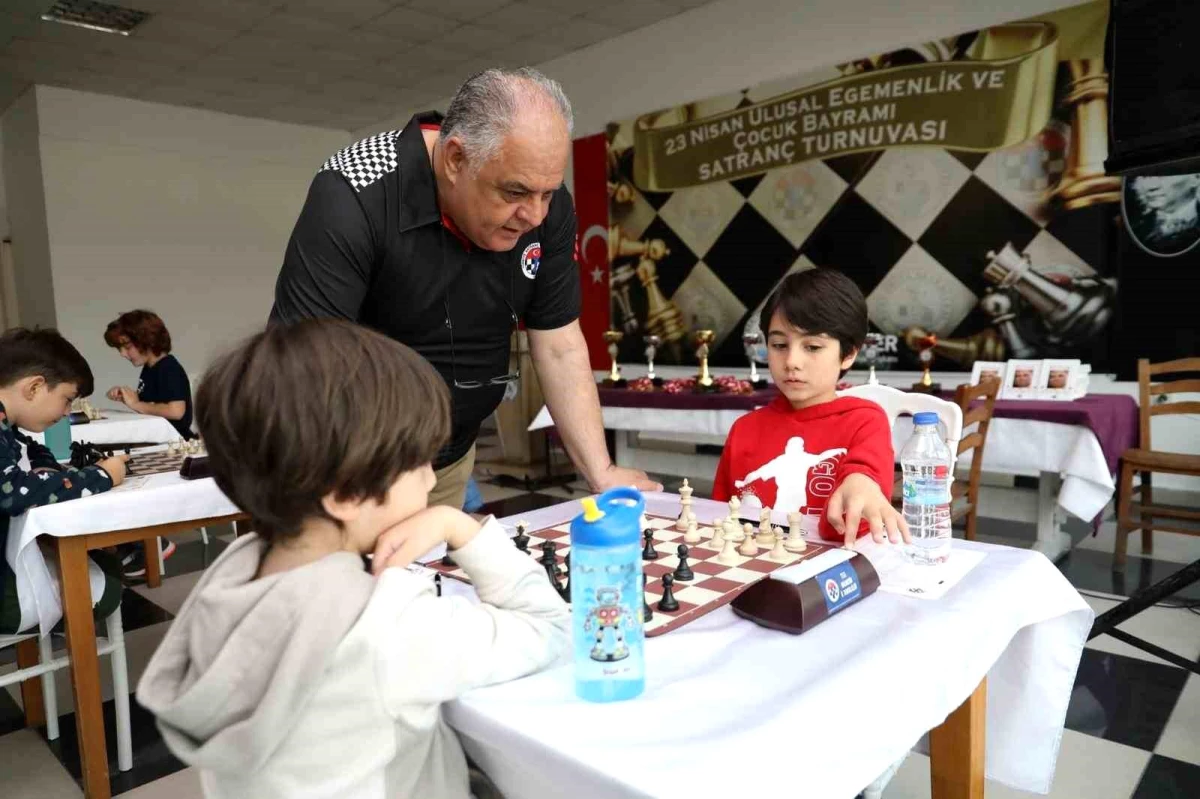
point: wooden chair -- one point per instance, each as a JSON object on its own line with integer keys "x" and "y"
{"x": 1146, "y": 460}
{"x": 980, "y": 415}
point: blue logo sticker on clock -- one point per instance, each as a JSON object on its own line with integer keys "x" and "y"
{"x": 839, "y": 586}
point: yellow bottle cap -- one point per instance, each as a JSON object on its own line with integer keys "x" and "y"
{"x": 591, "y": 511}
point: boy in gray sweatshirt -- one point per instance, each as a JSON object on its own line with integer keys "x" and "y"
{"x": 291, "y": 671}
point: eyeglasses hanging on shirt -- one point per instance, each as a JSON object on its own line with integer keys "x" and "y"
{"x": 511, "y": 377}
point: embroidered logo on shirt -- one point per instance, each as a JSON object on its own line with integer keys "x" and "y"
{"x": 531, "y": 259}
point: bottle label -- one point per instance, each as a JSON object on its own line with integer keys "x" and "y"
{"x": 606, "y": 603}
{"x": 927, "y": 489}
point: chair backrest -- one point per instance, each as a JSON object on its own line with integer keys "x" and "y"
{"x": 896, "y": 402}
{"x": 1147, "y": 391}
{"x": 981, "y": 416}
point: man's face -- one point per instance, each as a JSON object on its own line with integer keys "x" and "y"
{"x": 510, "y": 194}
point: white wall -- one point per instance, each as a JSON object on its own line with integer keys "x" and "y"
{"x": 182, "y": 211}
{"x": 23, "y": 181}
{"x": 4, "y": 229}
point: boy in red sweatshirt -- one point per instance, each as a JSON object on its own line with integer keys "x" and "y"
{"x": 828, "y": 457}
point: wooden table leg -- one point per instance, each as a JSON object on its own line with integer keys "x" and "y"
{"x": 153, "y": 573}
{"x": 85, "y": 665}
{"x": 956, "y": 750}
{"x": 31, "y": 689}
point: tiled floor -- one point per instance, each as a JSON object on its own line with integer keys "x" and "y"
{"x": 1133, "y": 728}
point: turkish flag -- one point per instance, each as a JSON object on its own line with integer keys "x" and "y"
{"x": 591, "y": 243}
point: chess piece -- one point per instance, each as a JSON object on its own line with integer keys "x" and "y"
{"x": 729, "y": 554}
{"x": 749, "y": 547}
{"x": 521, "y": 540}
{"x": 668, "y": 603}
{"x": 779, "y": 552}
{"x": 1073, "y": 310}
{"x": 704, "y": 380}
{"x": 565, "y": 590}
{"x": 548, "y": 557}
{"x": 795, "y": 539}
{"x": 647, "y": 613}
{"x": 663, "y": 317}
{"x": 614, "y": 379}
{"x": 692, "y": 536}
{"x": 733, "y": 531}
{"x": 1085, "y": 182}
{"x": 986, "y": 345}
{"x": 718, "y": 536}
{"x": 764, "y": 525}
{"x": 999, "y": 307}
{"x": 685, "y": 506}
{"x": 649, "y": 552}
{"x": 750, "y": 342}
{"x": 683, "y": 572}
{"x": 437, "y": 583}
{"x": 552, "y": 576}
{"x": 447, "y": 560}
{"x": 652, "y": 343}
{"x": 925, "y": 346}
{"x": 621, "y": 280}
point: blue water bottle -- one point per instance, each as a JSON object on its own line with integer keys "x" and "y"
{"x": 606, "y": 596}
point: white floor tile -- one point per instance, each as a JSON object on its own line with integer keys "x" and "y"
{"x": 171, "y": 594}
{"x": 1181, "y": 738}
{"x": 30, "y": 771}
{"x": 1087, "y": 767}
{"x": 180, "y": 785}
{"x": 1176, "y": 630}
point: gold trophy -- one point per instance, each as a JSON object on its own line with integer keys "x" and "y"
{"x": 704, "y": 380}
{"x": 614, "y": 379}
{"x": 1085, "y": 183}
{"x": 925, "y": 345}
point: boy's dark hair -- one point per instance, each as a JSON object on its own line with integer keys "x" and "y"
{"x": 819, "y": 301}
{"x": 143, "y": 329}
{"x": 43, "y": 351}
{"x": 319, "y": 407}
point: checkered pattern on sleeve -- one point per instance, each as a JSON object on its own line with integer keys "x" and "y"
{"x": 365, "y": 161}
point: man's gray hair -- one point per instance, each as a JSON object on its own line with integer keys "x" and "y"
{"x": 486, "y": 107}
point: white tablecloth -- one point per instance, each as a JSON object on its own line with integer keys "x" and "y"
{"x": 1014, "y": 446}
{"x": 732, "y": 709}
{"x": 164, "y": 498}
{"x": 121, "y": 427}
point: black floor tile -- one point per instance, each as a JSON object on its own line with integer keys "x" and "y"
{"x": 151, "y": 758}
{"x": 12, "y": 718}
{"x": 1091, "y": 570}
{"x": 193, "y": 556}
{"x": 520, "y": 504}
{"x": 1123, "y": 699}
{"x": 1166, "y": 778}
{"x": 138, "y": 612}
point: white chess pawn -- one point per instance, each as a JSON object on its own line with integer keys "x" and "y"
{"x": 749, "y": 548}
{"x": 718, "y": 536}
{"x": 779, "y": 552}
{"x": 729, "y": 555}
{"x": 795, "y": 539}
{"x": 692, "y": 536}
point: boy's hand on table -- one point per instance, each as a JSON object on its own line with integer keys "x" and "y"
{"x": 859, "y": 498}
{"x": 403, "y": 543}
{"x": 115, "y": 466}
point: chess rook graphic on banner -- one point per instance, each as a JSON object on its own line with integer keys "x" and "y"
{"x": 959, "y": 183}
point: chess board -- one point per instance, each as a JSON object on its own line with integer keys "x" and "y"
{"x": 146, "y": 463}
{"x": 910, "y": 225}
{"x": 716, "y": 584}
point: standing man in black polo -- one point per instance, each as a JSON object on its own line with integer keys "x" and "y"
{"x": 443, "y": 235}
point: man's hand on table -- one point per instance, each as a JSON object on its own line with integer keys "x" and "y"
{"x": 615, "y": 476}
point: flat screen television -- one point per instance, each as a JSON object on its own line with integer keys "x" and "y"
{"x": 1154, "y": 87}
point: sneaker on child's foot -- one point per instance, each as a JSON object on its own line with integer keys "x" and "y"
{"x": 133, "y": 565}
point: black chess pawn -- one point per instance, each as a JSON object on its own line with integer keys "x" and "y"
{"x": 437, "y": 584}
{"x": 548, "y": 558}
{"x": 683, "y": 572}
{"x": 647, "y": 613}
{"x": 447, "y": 560}
{"x": 668, "y": 602}
{"x": 649, "y": 552}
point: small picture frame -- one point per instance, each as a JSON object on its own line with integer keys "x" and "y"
{"x": 988, "y": 370}
{"x": 1022, "y": 380}
{"x": 1059, "y": 378}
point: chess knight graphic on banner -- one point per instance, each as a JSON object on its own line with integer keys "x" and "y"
{"x": 959, "y": 182}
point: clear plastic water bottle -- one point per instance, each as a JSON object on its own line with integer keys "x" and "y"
{"x": 926, "y": 463}
{"x": 606, "y": 596}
